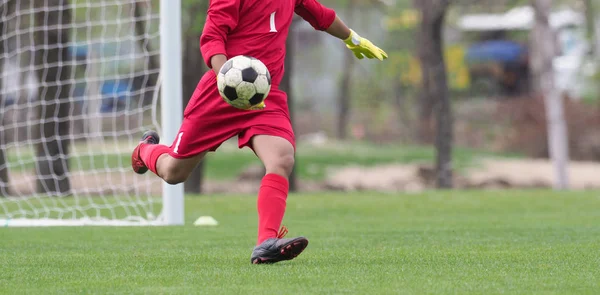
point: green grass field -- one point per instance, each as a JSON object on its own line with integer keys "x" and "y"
{"x": 519, "y": 242}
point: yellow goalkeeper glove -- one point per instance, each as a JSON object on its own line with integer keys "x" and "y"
{"x": 257, "y": 107}
{"x": 362, "y": 47}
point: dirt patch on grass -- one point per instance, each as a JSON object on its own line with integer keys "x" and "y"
{"x": 531, "y": 174}
{"x": 125, "y": 183}
{"x": 489, "y": 174}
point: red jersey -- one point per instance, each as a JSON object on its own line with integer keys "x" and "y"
{"x": 258, "y": 28}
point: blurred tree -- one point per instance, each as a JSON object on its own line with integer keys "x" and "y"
{"x": 51, "y": 40}
{"x": 193, "y": 68}
{"x": 344, "y": 96}
{"x": 590, "y": 18}
{"x": 544, "y": 49}
{"x": 434, "y": 87}
{"x": 6, "y": 8}
{"x": 286, "y": 85}
{"x": 149, "y": 77}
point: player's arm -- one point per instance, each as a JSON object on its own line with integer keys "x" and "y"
{"x": 221, "y": 19}
{"x": 339, "y": 29}
{"x": 325, "y": 19}
{"x": 217, "y": 61}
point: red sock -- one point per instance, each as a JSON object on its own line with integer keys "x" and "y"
{"x": 150, "y": 153}
{"x": 271, "y": 202}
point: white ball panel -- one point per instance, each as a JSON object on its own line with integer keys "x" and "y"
{"x": 259, "y": 67}
{"x": 245, "y": 91}
{"x": 240, "y": 104}
{"x": 233, "y": 77}
{"x": 241, "y": 62}
{"x": 221, "y": 81}
{"x": 262, "y": 84}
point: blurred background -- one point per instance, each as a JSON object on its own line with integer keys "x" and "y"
{"x": 462, "y": 101}
{"x": 459, "y": 102}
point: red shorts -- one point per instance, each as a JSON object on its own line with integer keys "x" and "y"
{"x": 208, "y": 121}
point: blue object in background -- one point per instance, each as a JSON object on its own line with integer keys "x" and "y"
{"x": 8, "y": 100}
{"x": 115, "y": 95}
{"x": 79, "y": 51}
{"x": 495, "y": 51}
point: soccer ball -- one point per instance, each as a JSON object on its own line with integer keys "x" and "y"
{"x": 244, "y": 82}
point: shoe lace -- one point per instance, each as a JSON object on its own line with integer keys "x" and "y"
{"x": 282, "y": 232}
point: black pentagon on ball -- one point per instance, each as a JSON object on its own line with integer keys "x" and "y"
{"x": 269, "y": 77}
{"x": 250, "y": 57}
{"x": 226, "y": 67}
{"x": 249, "y": 75}
{"x": 230, "y": 93}
{"x": 256, "y": 99}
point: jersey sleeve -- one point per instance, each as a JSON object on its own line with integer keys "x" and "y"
{"x": 221, "y": 19}
{"x": 315, "y": 13}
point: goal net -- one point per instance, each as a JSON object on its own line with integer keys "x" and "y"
{"x": 80, "y": 83}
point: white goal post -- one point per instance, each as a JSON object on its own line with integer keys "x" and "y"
{"x": 81, "y": 81}
{"x": 170, "y": 31}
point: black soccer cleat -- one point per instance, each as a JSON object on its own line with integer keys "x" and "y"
{"x": 278, "y": 249}
{"x": 149, "y": 137}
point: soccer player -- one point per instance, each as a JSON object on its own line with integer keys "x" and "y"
{"x": 257, "y": 28}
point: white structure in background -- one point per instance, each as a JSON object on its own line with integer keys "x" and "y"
{"x": 572, "y": 66}
{"x": 568, "y": 63}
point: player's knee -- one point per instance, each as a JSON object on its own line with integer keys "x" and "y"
{"x": 173, "y": 174}
{"x": 174, "y": 178}
{"x": 283, "y": 164}
{"x": 287, "y": 163}
{"x": 174, "y": 171}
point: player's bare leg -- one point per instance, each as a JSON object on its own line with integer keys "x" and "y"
{"x": 173, "y": 170}
{"x": 150, "y": 155}
{"x": 277, "y": 154}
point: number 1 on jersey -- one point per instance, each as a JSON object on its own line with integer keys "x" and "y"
{"x": 272, "y": 23}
